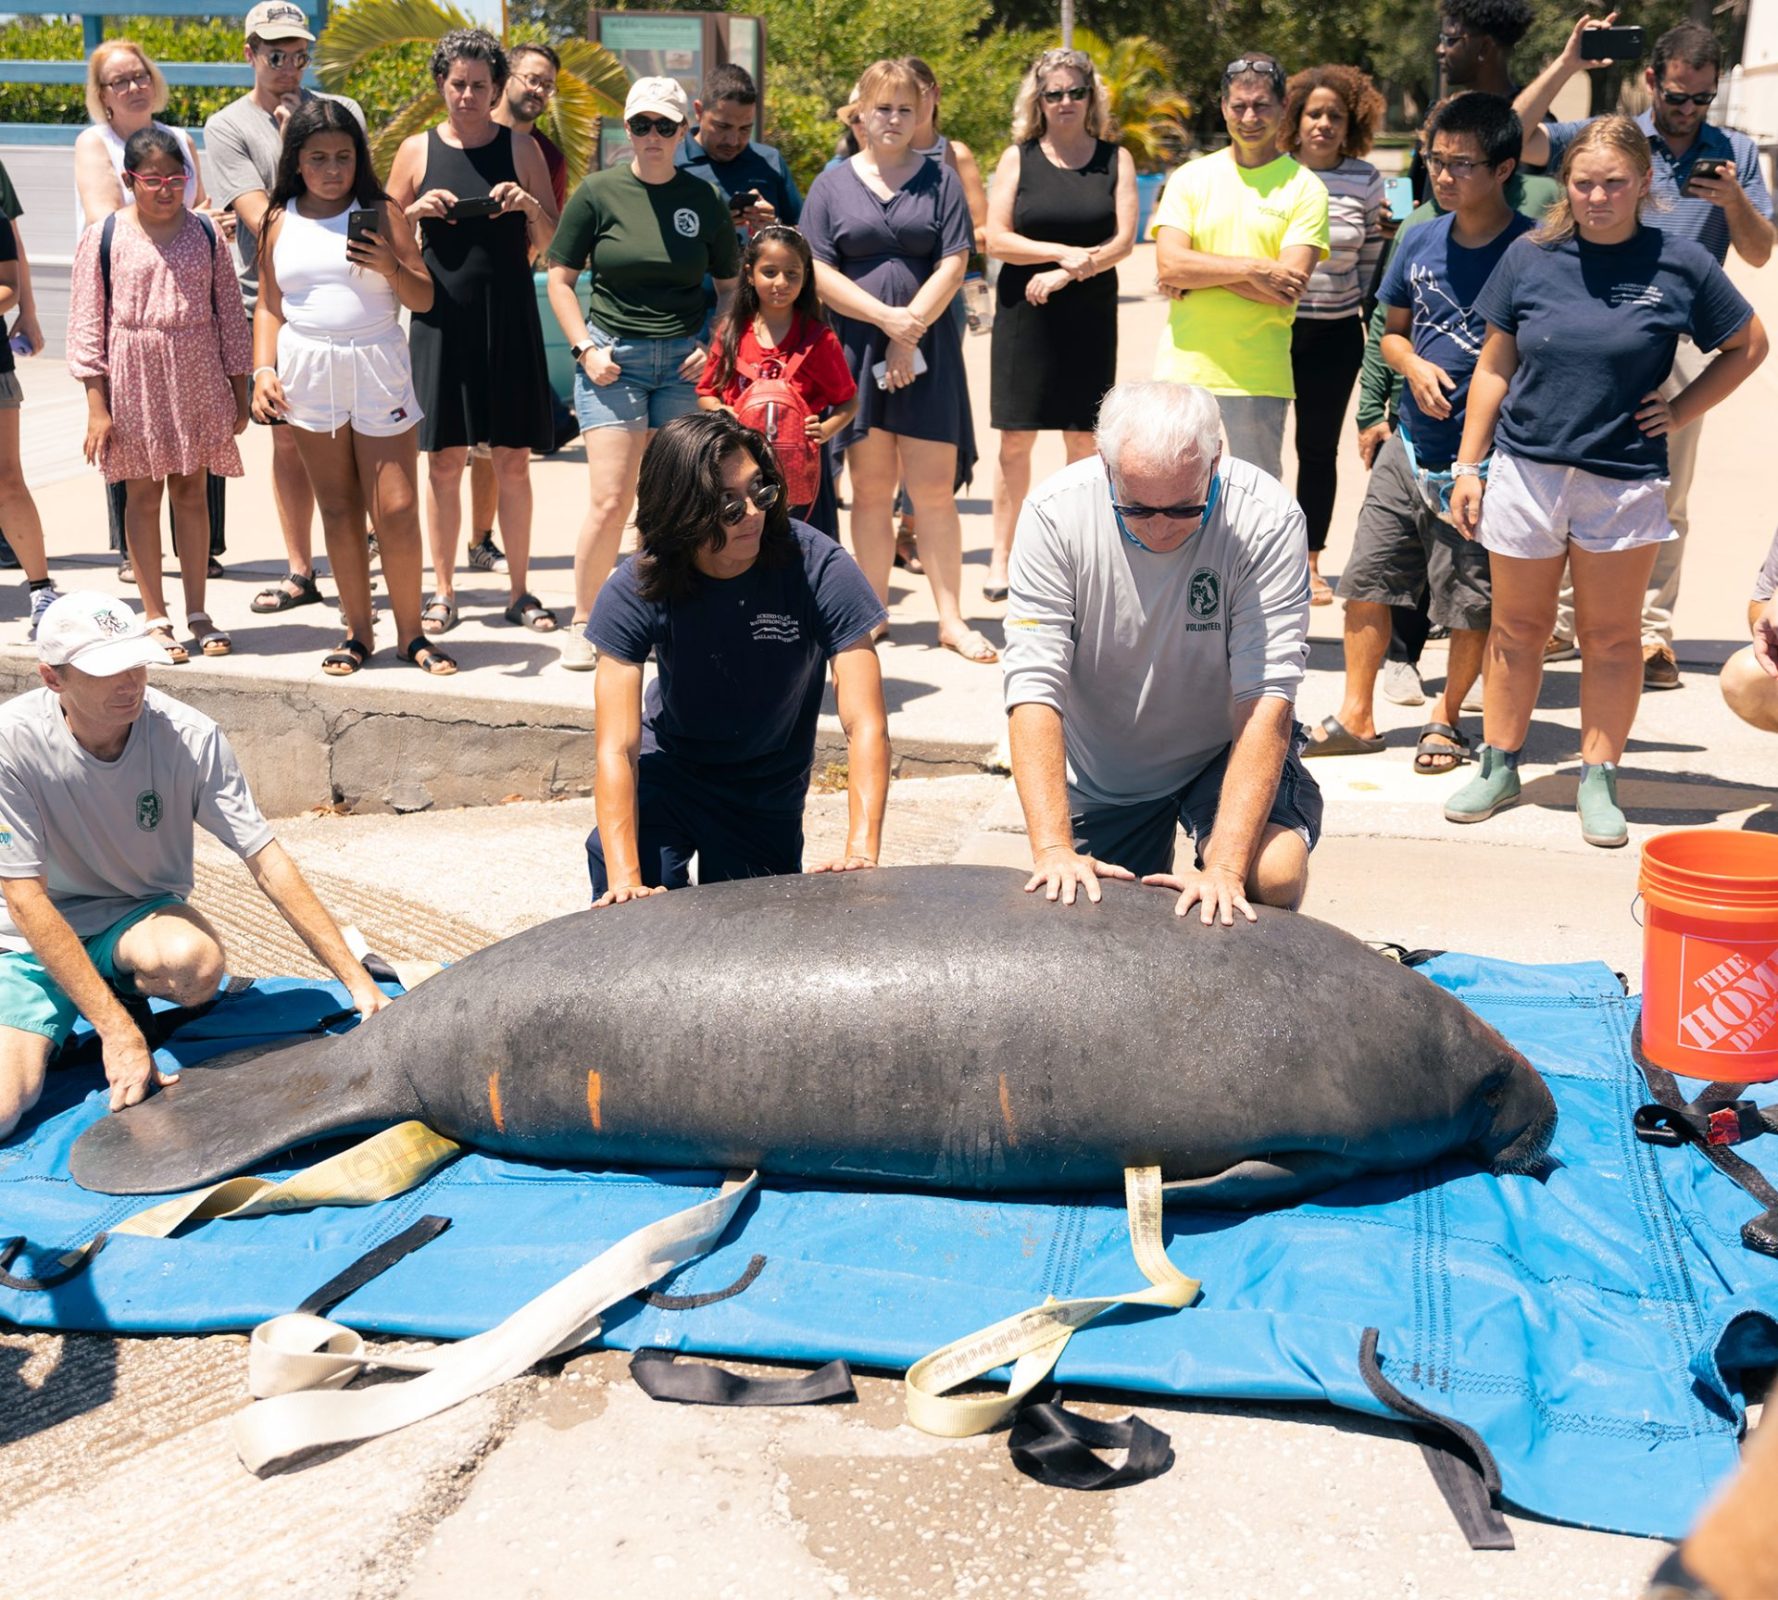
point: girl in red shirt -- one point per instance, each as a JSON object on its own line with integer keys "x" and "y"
{"x": 775, "y": 318}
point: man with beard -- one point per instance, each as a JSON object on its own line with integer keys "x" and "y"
{"x": 723, "y": 152}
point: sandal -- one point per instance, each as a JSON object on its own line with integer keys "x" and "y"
{"x": 438, "y": 615}
{"x": 993, "y": 593}
{"x": 346, "y": 660}
{"x": 1320, "y": 591}
{"x": 161, "y": 631}
{"x": 1339, "y": 740}
{"x": 281, "y": 596}
{"x": 214, "y": 569}
{"x": 210, "y": 639}
{"x": 529, "y": 612}
{"x": 1442, "y": 744}
{"x": 907, "y": 553}
{"x": 125, "y": 572}
{"x": 974, "y": 646}
{"x": 428, "y": 657}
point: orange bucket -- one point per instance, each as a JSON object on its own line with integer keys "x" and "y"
{"x": 1710, "y": 954}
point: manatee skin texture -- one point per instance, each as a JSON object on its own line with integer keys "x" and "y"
{"x": 925, "y": 1027}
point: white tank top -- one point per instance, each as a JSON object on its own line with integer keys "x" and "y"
{"x": 114, "y": 148}
{"x": 324, "y": 295}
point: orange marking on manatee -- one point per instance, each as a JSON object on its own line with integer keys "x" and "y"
{"x": 593, "y": 1091}
{"x": 494, "y": 1101}
{"x": 1012, "y": 1132}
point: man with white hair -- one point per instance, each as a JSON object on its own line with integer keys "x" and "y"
{"x": 101, "y": 781}
{"x": 1156, "y": 632}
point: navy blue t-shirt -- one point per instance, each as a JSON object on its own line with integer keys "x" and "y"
{"x": 1437, "y": 279}
{"x": 743, "y": 662}
{"x": 1597, "y": 325}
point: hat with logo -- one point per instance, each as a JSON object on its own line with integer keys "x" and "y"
{"x": 663, "y": 96}
{"x": 278, "y": 19}
{"x": 97, "y": 633}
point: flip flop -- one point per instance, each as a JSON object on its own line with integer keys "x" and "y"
{"x": 1341, "y": 741}
{"x": 974, "y": 646}
{"x": 1458, "y": 751}
{"x": 210, "y": 639}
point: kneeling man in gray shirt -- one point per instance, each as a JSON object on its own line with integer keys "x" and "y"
{"x": 101, "y": 780}
{"x": 1156, "y": 632}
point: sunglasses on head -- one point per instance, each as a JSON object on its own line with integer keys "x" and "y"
{"x": 762, "y": 494}
{"x": 1674, "y": 98}
{"x": 1054, "y": 97}
{"x": 1242, "y": 65}
{"x": 666, "y": 127}
{"x": 277, "y": 60}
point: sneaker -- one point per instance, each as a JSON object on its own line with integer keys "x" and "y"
{"x": 1660, "y": 669}
{"x": 41, "y": 601}
{"x": 578, "y": 654}
{"x": 1601, "y": 822}
{"x": 8, "y": 559}
{"x": 1402, "y": 685}
{"x": 1493, "y": 788}
{"x": 1557, "y": 648}
{"x": 485, "y": 555}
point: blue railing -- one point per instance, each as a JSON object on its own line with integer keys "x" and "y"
{"x": 185, "y": 74}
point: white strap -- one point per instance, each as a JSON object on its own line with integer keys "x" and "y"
{"x": 295, "y": 1359}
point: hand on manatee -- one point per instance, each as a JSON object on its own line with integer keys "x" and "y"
{"x": 1061, "y": 871}
{"x": 1217, "y": 889}
{"x": 615, "y": 896}
{"x": 130, "y": 1067}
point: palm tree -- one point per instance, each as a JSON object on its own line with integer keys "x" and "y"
{"x": 1153, "y": 123}
{"x": 591, "y": 84}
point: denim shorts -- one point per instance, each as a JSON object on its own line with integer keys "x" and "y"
{"x": 33, "y": 1001}
{"x": 647, "y": 392}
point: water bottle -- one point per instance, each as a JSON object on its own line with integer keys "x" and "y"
{"x": 978, "y": 303}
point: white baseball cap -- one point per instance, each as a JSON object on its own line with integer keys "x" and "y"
{"x": 663, "y": 96}
{"x": 97, "y": 633}
{"x": 278, "y": 19}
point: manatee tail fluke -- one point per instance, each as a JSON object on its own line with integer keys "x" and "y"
{"x": 222, "y": 1117}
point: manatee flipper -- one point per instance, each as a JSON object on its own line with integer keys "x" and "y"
{"x": 222, "y": 1117}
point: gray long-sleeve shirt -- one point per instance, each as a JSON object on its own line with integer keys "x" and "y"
{"x": 1145, "y": 656}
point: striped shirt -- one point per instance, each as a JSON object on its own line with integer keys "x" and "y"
{"x": 1355, "y": 242}
{"x": 1688, "y": 218}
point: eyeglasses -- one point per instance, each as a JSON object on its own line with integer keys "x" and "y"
{"x": 543, "y": 86}
{"x": 132, "y": 80}
{"x": 1458, "y": 167}
{"x": 1450, "y": 41}
{"x": 1242, "y": 65}
{"x": 1054, "y": 97}
{"x": 155, "y": 182}
{"x": 278, "y": 60}
{"x": 666, "y": 127}
{"x": 763, "y": 495}
{"x": 1674, "y": 98}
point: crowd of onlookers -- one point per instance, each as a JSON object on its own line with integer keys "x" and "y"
{"x": 277, "y": 292}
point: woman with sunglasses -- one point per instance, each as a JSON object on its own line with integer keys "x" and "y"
{"x": 1061, "y": 215}
{"x": 744, "y": 611}
{"x": 651, "y": 233}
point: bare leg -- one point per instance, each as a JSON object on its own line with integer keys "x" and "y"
{"x": 173, "y": 955}
{"x": 930, "y": 468}
{"x": 1608, "y": 595}
{"x": 18, "y": 511}
{"x": 484, "y": 497}
{"x": 24, "y": 1058}
{"x": 1750, "y": 693}
{"x": 1464, "y": 665}
{"x": 1365, "y": 643}
{"x": 388, "y": 472}
{"x": 1012, "y": 482}
{"x": 191, "y": 535}
{"x": 1524, "y": 611}
{"x": 444, "y": 513}
{"x": 142, "y": 539}
{"x": 613, "y": 458}
{"x": 331, "y": 467}
{"x": 875, "y": 470}
{"x": 1279, "y": 875}
{"x": 295, "y": 500}
{"x": 512, "y": 472}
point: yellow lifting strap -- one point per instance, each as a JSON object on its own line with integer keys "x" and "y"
{"x": 1033, "y": 1340}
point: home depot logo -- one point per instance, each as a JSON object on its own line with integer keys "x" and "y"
{"x": 1734, "y": 1003}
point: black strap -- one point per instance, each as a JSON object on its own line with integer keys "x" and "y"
{"x": 1401, "y": 954}
{"x": 9, "y": 1250}
{"x": 691, "y": 1302}
{"x": 373, "y": 1264}
{"x": 108, "y": 231}
{"x": 1056, "y": 1446}
{"x": 1758, "y": 1233}
{"x": 661, "y": 1376}
{"x": 1674, "y": 1580}
{"x": 1461, "y": 1464}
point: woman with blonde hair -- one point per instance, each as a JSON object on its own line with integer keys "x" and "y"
{"x": 890, "y": 234}
{"x": 1061, "y": 215}
{"x": 1583, "y": 318}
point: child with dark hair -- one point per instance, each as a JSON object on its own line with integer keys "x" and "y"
{"x": 776, "y": 330}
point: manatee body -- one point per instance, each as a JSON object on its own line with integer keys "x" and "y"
{"x": 932, "y": 1027}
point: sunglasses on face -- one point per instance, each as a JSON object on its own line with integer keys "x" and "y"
{"x": 666, "y": 127}
{"x": 1674, "y": 98}
{"x": 128, "y": 81}
{"x": 278, "y": 60}
{"x": 1141, "y": 513}
{"x": 762, "y": 496}
{"x": 155, "y": 182}
{"x": 1054, "y": 97}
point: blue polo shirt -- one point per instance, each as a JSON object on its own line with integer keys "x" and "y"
{"x": 759, "y": 167}
{"x": 1686, "y": 217}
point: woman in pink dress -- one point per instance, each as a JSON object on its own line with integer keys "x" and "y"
{"x": 164, "y": 351}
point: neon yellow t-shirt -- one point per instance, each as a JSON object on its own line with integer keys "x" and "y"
{"x": 1213, "y": 338}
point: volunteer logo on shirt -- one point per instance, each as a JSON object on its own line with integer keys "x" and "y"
{"x": 773, "y": 627}
{"x": 5, "y": 836}
{"x": 148, "y": 811}
{"x": 686, "y": 221}
{"x": 1203, "y": 597}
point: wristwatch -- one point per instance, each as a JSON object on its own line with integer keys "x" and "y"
{"x": 578, "y": 351}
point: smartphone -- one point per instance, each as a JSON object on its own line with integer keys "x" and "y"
{"x": 477, "y": 206}
{"x": 881, "y": 370}
{"x": 359, "y": 223}
{"x": 1613, "y": 44}
{"x": 1400, "y": 193}
{"x": 747, "y": 197}
{"x": 1709, "y": 167}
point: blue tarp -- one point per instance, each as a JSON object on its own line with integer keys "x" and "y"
{"x": 1592, "y": 1326}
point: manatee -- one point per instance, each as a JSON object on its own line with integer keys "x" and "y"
{"x": 927, "y": 1027}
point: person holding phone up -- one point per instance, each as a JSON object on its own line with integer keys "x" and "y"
{"x": 1707, "y": 186}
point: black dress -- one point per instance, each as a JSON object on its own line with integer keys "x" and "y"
{"x": 1051, "y": 364}
{"x": 479, "y": 368}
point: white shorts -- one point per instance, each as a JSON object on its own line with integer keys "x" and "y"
{"x": 1533, "y": 510}
{"x": 367, "y": 382}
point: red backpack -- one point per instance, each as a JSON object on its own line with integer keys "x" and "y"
{"x": 772, "y": 403}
